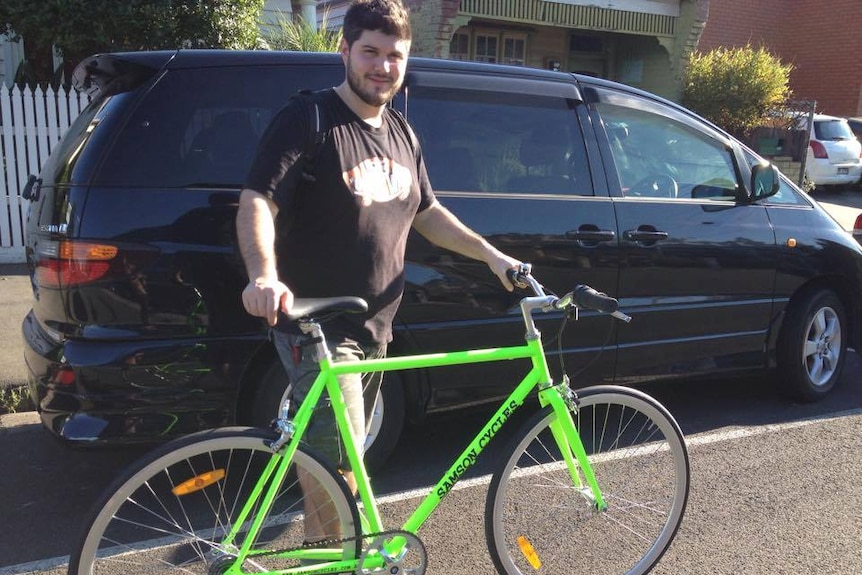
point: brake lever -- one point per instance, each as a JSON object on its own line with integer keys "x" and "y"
{"x": 520, "y": 277}
{"x": 621, "y": 316}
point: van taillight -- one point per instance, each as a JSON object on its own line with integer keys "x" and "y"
{"x": 66, "y": 263}
{"x": 818, "y": 150}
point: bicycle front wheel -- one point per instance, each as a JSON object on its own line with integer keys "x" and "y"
{"x": 173, "y": 511}
{"x": 538, "y": 521}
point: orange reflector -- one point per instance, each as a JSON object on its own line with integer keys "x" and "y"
{"x": 529, "y": 552}
{"x": 86, "y": 251}
{"x": 198, "y": 482}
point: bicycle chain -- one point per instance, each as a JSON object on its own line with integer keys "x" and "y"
{"x": 329, "y": 542}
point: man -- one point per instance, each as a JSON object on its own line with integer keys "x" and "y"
{"x": 344, "y": 231}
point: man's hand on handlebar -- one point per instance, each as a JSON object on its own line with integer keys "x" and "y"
{"x": 502, "y": 266}
{"x": 518, "y": 275}
{"x": 264, "y": 298}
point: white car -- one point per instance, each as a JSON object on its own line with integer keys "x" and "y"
{"x": 834, "y": 153}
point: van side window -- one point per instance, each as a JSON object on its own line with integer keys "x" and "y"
{"x": 62, "y": 160}
{"x": 657, "y": 156}
{"x": 201, "y": 127}
{"x": 476, "y": 141}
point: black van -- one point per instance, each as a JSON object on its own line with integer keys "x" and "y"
{"x": 138, "y": 333}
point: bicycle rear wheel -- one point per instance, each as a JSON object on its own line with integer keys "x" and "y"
{"x": 537, "y": 521}
{"x": 171, "y": 511}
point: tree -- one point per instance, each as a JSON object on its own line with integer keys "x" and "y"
{"x": 736, "y": 87}
{"x": 79, "y": 28}
{"x": 296, "y": 34}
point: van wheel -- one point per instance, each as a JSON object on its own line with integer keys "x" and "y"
{"x": 387, "y": 422}
{"x": 812, "y": 347}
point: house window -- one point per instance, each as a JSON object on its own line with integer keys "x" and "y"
{"x": 486, "y": 48}
{"x": 490, "y": 46}
{"x": 514, "y": 49}
{"x": 459, "y": 47}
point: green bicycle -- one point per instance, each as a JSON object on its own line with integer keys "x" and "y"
{"x": 595, "y": 482}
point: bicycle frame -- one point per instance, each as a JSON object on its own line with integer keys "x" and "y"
{"x": 558, "y": 396}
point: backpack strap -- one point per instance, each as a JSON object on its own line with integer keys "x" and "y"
{"x": 317, "y": 130}
{"x": 406, "y": 127}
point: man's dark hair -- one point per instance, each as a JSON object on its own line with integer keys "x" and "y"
{"x": 387, "y": 16}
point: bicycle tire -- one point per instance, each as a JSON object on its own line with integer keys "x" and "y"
{"x": 640, "y": 460}
{"x": 141, "y": 526}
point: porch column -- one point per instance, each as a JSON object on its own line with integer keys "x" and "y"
{"x": 308, "y": 10}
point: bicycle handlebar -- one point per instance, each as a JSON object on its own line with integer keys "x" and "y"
{"x": 582, "y": 296}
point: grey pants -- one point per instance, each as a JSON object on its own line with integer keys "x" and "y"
{"x": 360, "y": 390}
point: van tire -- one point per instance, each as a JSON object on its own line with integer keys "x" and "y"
{"x": 812, "y": 345}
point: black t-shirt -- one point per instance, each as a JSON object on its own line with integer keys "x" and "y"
{"x": 344, "y": 233}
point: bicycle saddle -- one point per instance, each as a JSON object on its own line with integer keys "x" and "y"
{"x": 316, "y": 306}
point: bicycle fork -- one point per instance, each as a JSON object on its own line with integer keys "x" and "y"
{"x": 563, "y": 401}
{"x": 256, "y": 508}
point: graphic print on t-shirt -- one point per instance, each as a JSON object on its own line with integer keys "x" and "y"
{"x": 379, "y": 180}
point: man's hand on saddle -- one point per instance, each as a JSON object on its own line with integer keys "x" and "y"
{"x": 264, "y": 297}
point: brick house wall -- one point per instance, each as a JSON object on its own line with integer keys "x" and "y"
{"x": 820, "y": 39}
{"x": 433, "y": 22}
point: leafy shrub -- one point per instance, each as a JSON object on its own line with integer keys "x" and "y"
{"x": 78, "y": 29}
{"x": 296, "y": 34}
{"x": 736, "y": 87}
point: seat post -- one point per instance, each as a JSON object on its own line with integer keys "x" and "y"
{"x": 312, "y": 328}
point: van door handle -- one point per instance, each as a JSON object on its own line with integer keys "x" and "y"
{"x": 590, "y": 233}
{"x": 644, "y": 234}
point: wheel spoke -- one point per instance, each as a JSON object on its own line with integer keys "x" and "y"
{"x": 818, "y": 326}
{"x": 809, "y": 349}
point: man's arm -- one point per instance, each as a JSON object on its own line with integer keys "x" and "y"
{"x": 255, "y": 229}
{"x": 440, "y": 226}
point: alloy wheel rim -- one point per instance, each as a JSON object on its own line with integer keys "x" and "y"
{"x": 822, "y": 347}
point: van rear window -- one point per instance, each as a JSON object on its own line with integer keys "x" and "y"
{"x": 200, "y": 128}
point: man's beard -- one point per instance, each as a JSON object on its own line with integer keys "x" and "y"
{"x": 370, "y": 96}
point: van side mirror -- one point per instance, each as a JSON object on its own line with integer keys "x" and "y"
{"x": 31, "y": 188}
{"x": 765, "y": 181}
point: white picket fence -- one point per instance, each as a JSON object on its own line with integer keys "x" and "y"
{"x": 31, "y": 124}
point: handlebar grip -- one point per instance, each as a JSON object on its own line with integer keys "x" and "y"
{"x": 586, "y": 297}
{"x": 518, "y": 276}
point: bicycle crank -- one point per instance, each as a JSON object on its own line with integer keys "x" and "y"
{"x": 408, "y": 557}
